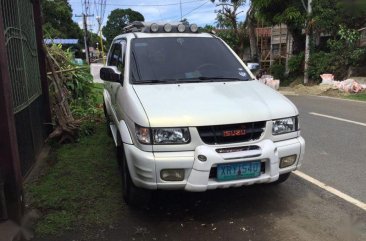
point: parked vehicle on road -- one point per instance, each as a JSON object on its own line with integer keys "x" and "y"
{"x": 186, "y": 113}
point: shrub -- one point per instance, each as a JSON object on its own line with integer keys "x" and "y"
{"x": 319, "y": 63}
{"x": 278, "y": 71}
{"x": 296, "y": 64}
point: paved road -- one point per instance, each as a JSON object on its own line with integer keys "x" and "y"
{"x": 336, "y": 150}
{"x": 296, "y": 210}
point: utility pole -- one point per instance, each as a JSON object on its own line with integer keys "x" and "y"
{"x": 85, "y": 16}
{"x": 307, "y": 46}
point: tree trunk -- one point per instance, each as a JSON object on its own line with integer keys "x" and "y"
{"x": 67, "y": 128}
{"x": 252, "y": 36}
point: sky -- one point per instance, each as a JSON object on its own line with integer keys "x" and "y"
{"x": 201, "y": 12}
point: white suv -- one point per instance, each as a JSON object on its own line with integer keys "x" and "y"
{"x": 186, "y": 113}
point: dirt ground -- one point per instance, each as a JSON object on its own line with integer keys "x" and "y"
{"x": 324, "y": 90}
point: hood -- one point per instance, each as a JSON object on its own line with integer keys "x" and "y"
{"x": 219, "y": 103}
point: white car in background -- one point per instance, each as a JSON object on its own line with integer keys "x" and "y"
{"x": 186, "y": 113}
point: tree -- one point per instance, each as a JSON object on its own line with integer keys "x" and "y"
{"x": 57, "y": 20}
{"x": 328, "y": 16}
{"x": 290, "y": 12}
{"x": 250, "y": 23}
{"x": 117, "y": 20}
{"x": 227, "y": 18}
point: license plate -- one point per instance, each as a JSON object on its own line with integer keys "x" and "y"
{"x": 241, "y": 170}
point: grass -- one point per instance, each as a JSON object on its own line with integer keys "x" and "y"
{"x": 360, "y": 96}
{"x": 80, "y": 187}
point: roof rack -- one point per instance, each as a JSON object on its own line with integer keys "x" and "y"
{"x": 145, "y": 27}
{"x": 135, "y": 26}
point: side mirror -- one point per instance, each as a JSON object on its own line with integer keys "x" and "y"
{"x": 253, "y": 66}
{"x": 110, "y": 73}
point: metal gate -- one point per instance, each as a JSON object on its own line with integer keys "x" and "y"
{"x": 21, "y": 45}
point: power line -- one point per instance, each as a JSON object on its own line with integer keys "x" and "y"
{"x": 147, "y": 5}
{"x": 85, "y": 14}
{"x": 180, "y": 2}
{"x": 100, "y": 9}
{"x": 173, "y": 17}
{"x": 195, "y": 9}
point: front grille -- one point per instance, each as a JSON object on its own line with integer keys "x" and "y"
{"x": 215, "y": 134}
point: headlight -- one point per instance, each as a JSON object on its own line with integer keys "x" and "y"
{"x": 286, "y": 125}
{"x": 171, "y": 135}
{"x": 161, "y": 136}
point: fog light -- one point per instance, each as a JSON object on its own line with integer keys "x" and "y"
{"x": 172, "y": 174}
{"x": 202, "y": 158}
{"x": 287, "y": 161}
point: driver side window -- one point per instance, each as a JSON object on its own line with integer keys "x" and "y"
{"x": 117, "y": 56}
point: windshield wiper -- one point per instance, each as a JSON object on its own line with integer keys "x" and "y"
{"x": 211, "y": 79}
{"x": 218, "y": 78}
{"x": 188, "y": 80}
{"x": 156, "y": 81}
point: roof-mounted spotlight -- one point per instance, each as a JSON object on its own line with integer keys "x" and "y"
{"x": 181, "y": 28}
{"x": 167, "y": 27}
{"x": 154, "y": 27}
{"x": 194, "y": 28}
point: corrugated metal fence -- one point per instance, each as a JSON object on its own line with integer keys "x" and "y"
{"x": 21, "y": 45}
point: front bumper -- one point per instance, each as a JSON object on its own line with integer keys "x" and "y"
{"x": 145, "y": 167}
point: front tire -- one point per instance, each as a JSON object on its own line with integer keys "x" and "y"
{"x": 132, "y": 195}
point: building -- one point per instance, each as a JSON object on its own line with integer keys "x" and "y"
{"x": 274, "y": 45}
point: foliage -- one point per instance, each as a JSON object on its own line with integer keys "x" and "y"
{"x": 94, "y": 39}
{"x": 57, "y": 18}
{"x": 319, "y": 63}
{"x": 344, "y": 53}
{"x": 229, "y": 37}
{"x": 278, "y": 71}
{"x": 78, "y": 81}
{"x": 340, "y": 52}
{"x": 296, "y": 63}
{"x": 226, "y": 34}
{"x": 117, "y": 20}
{"x": 79, "y": 92}
{"x": 328, "y": 15}
{"x": 207, "y": 28}
{"x": 290, "y": 12}
{"x": 359, "y": 96}
{"x": 227, "y": 21}
{"x": 74, "y": 191}
{"x": 89, "y": 110}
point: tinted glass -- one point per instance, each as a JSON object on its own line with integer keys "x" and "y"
{"x": 116, "y": 58}
{"x": 183, "y": 59}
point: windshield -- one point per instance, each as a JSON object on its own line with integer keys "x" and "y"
{"x": 175, "y": 59}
